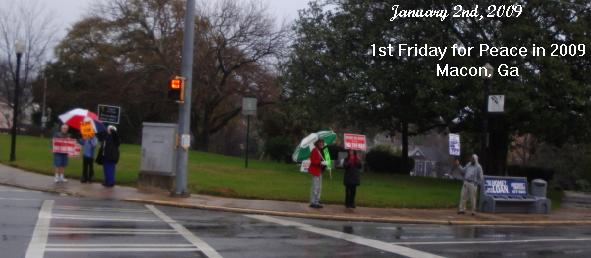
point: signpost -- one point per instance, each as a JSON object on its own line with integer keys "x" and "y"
{"x": 454, "y": 144}
{"x": 249, "y": 108}
{"x": 355, "y": 142}
{"x": 109, "y": 114}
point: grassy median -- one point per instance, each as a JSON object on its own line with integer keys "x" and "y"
{"x": 215, "y": 174}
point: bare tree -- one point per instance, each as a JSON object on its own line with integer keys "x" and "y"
{"x": 31, "y": 23}
{"x": 241, "y": 41}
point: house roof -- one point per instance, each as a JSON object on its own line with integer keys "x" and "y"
{"x": 430, "y": 153}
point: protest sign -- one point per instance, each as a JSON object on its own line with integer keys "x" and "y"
{"x": 355, "y": 142}
{"x": 454, "y": 144}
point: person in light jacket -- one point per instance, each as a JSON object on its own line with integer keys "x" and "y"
{"x": 110, "y": 155}
{"x": 317, "y": 166}
{"x": 351, "y": 180}
{"x": 473, "y": 176}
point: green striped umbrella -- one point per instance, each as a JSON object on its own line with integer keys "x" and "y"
{"x": 302, "y": 151}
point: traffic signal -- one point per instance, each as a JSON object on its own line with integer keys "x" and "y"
{"x": 176, "y": 88}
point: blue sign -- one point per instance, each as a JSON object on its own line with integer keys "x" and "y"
{"x": 508, "y": 186}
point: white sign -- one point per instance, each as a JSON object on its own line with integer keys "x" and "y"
{"x": 305, "y": 166}
{"x": 454, "y": 144}
{"x": 249, "y": 106}
{"x": 186, "y": 141}
{"x": 109, "y": 114}
{"x": 496, "y": 103}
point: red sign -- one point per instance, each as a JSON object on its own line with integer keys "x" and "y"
{"x": 355, "y": 142}
{"x": 67, "y": 146}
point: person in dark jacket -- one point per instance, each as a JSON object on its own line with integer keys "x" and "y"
{"x": 88, "y": 145}
{"x": 110, "y": 155}
{"x": 352, "y": 176}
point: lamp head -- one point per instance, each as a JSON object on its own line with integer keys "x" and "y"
{"x": 490, "y": 70}
{"x": 19, "y": 47}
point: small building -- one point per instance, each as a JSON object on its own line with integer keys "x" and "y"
{"x": 430, "y": 162}
{"x": 25, "y": 118}
{"x": 5, "y": 114}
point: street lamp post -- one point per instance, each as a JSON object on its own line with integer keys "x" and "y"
{"x": 484, "y": 144}
{"x": 19, "y": 48}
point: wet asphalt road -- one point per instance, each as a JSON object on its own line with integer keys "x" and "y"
{"x": 48, "y": 225}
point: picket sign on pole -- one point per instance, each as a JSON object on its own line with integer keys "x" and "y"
{"x": 454, "y": 144}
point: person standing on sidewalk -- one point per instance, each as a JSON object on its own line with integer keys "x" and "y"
{"x": 473, "y": 176}
{"x": 317, "y": 166}
{"x": 88, "y": 145}
{"x": 352, "y": 176}
{"x": 110, "y": 152}
{"x": 60, "y": 159}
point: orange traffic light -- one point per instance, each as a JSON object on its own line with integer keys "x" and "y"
{"x": 176, "y": 84}
{"x": 176, "y": 89}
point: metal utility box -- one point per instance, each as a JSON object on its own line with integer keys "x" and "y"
{"x": 158, "y": 163}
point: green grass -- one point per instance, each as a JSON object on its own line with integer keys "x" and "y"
{"x": 226, "y": 176}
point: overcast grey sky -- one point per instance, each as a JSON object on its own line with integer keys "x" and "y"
{"x": 67, "y": 12}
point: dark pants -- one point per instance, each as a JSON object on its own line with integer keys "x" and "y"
{"x": 109, "y": 170}
{"x": 87, "y": 169}
{"x": 350, "y": 191}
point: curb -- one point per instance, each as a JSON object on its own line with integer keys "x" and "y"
{"x": 359, "y": 218}
{"x": 318, "y": 216}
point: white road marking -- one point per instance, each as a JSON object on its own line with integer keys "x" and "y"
{"x": 109, "y": 233}
{"x": 120, "y": 245}
{"x": 103, "y": 218}
{"x": 515, "y": 241}
{"x": 196, "y": 241}
{"x": 73, "y": 208}
{"x": 121, "y": 249}
{"x": 405, "y": 227}
{"x": 111, "y": 229}
{"x": 36, "y": 247}
{"x": 400, "y": 250}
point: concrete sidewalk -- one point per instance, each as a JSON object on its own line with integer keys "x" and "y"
{"x": 20, "y": 178}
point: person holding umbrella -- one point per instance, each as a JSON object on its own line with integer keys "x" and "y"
{"x": 109, "y": 152}
{"x": 317, "y": 166}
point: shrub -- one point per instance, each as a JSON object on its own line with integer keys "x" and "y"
{"x": 279, "y": 149}
{"x": 531, "y": 172}
{"x": 382, "y": 159}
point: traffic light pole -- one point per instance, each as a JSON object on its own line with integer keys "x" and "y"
{"x": 185, "y": 107}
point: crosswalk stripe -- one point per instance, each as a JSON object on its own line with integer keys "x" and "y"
{"x": 36, "y": 247}
{"x": 121, "y": 249}
{"x": 389, "y": 247}
{"x": 100, "y": 209}
{"x": 196, "y": 241}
